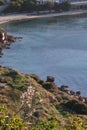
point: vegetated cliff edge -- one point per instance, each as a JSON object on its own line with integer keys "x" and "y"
{"x": 34, "y": 99}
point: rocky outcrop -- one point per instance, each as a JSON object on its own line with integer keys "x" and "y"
{"x": 4, "y": 37}
{"x": 6, "y": 40}
{"x": 33, "y": 98}
{"x": 76, "y": 106}
{"x": 11, "y": 38}
{"x": 50, "y": 79}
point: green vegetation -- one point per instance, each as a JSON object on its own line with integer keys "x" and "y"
{"x": 14, "y": 122}
{"x": 29, "y": 103}
{"x": 2, "y": 30}
{"x": 33, "y": 5}
{"x": 51, "y": 124}
{"x": 2, "y": 2}
{"x": 21, "y": 5}
{"x": 10, "y": 122}
{"x": 15, "y": 80}
{"x": 75, "y": 123}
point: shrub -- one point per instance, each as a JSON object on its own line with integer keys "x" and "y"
{"x": 75, "y": 123}
{"x": 51, "y": 124}
{"x": 8, "y": 122}
{"x": 2, "y": 2}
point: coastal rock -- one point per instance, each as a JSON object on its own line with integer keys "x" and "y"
{"x": 78, "y": 93}
{"x": 76, "y": 106}
{"x": 50, "y": 79}
{"x": 11, "y": 38}
{"x": 63, "y": 87}
{"x": 50, "y": 86}
{"x": 3, "y": 36}
{"x": 6, "y": 40}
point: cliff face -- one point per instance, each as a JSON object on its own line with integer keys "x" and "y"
{"x": 33, "y": 98}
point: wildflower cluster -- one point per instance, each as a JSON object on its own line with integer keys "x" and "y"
{"x": 27, "y": 97}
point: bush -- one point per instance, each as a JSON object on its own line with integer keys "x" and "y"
{"x": 75, "y": 123}
{"x": 51, "y": 124}
{"x": 8, "y": 122}
{"x": 2, "y": 2}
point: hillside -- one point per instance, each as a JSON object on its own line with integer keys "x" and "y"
{"x": 34, "y": 100}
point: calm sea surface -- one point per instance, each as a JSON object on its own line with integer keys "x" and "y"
{"x": 53, "y": 46}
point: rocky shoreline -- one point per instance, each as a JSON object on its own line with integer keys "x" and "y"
{"x": 6, "y": 40}
{"x": 49, "y": 84}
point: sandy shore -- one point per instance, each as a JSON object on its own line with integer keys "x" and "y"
{"x": 19, "y": 17}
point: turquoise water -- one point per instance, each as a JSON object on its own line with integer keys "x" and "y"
{"x": 53, "y": 46}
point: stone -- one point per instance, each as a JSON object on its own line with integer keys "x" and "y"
{"x": 63, "y": 87}
{"x": 38, "y": 113}
{"x": 50, "y": 87}
{"x": 11, "y": 38}
{"x": 78, "y": 93}
{"x": 72, "y": 92}
{"x": 76, "y": 106}
{"x": 50, "y": 79}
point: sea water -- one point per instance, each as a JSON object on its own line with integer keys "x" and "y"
{"x": 50, "y": 46}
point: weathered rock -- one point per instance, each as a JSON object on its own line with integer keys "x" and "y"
{"x": 38, "y": 113}
{"x": 72, "y": 92}
{"x": 6, "y": 40}
{"x": 63, "y": 87}
{"x": 2, "y": 36}
{"x": 78, "y": 93}
{"x": 41, "y": 82}
{"x": 11, "y": 38}
{"x": 77, "y": 107}
{"x": 50, "y": 86}
{"x": 50, "y": 79}
{"x": 81, "y": 99}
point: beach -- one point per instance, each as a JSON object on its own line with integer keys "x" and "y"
{"x": 26, "y": 16}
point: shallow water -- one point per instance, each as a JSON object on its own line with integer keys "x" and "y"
{"x": 53, "y": 46}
